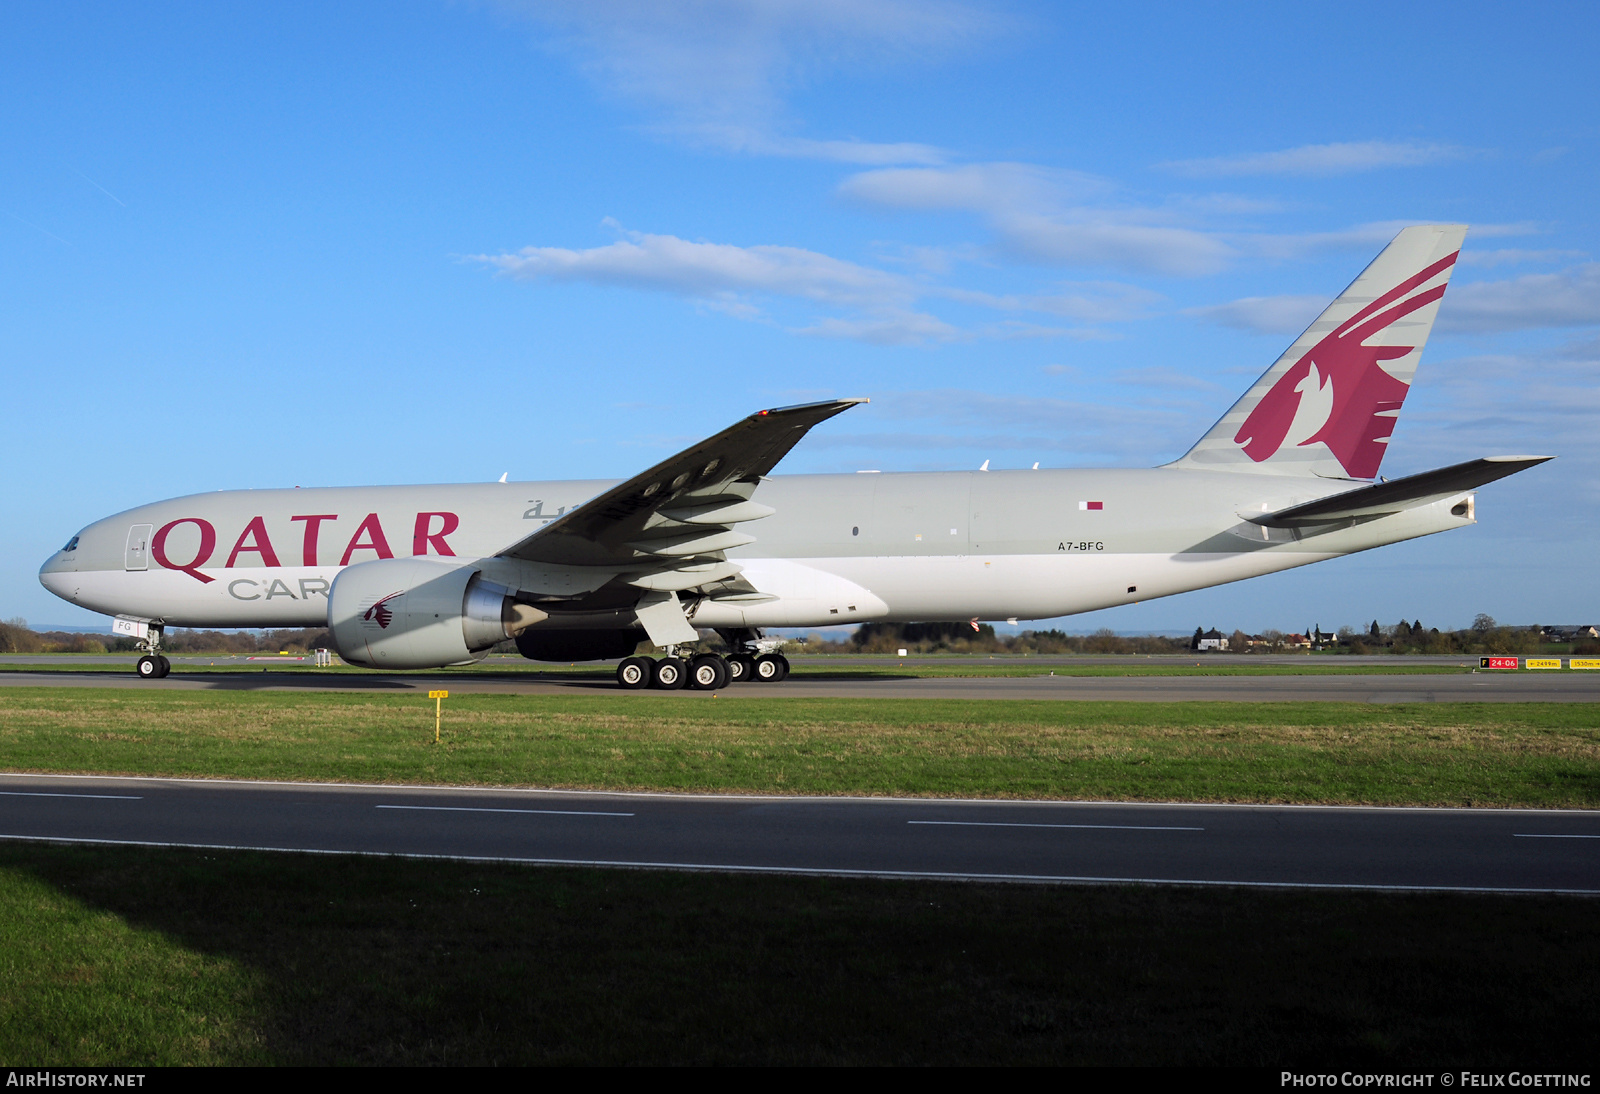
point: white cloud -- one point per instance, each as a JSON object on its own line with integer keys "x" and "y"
{"x": 1289, "y": 245}
{"x": 712, "y": 271}
{"x": 1324, "y": 159}
{"x": 1117, "y": 240}
{"x": 889, "y": 327}
{"x": 1049, "y": 216}
{"x": 1163, "y": 378}
{"x": 1264, "y": 314}
{"x": 1087, "y": 301}
{"x": 1359, "y": 237}
{"x": 718, "y": 71}
{"x": 930, "y": 260}
{"x": 1097, "y": 432}
{"x": 1544, "y": 401}
{"x": 1570, "y": 298}
{"x": 1511, "y": 256}
{"x": 974, "y": 187}
{"x": 879, "y": 306}
{"x": 864, "y": 153}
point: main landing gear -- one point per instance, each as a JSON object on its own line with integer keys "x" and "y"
{"x": 704, "y": 672}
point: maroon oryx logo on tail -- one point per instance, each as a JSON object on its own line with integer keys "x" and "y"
{"x": 379, "y": 613}
{"x": 1338, "y": 393}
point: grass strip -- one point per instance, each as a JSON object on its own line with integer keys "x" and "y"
{"x": 1527, "y": 754}
{"x": 130, "y": 957}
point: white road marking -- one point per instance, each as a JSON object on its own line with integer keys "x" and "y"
{"x": 42, "y": 794}
{"x": 478, "y": 809}
{"x": 810, "y": 871}
{"x": 1019, "y": 824}
{"x": 1550, "y": 835}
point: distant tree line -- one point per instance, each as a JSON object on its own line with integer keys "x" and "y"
{"x": 17, "y": 637}
{"x": 962, "y": 637}
{"x": 1485, "y": 636}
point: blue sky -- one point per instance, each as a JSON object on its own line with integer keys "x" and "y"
{"x": 305, "y": 244}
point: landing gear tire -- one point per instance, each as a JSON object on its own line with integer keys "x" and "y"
{"x": 634, "y": 672}
{"x": 149, "y": 668}
{"x": 741, "y": 668}
{"x": 669, "y": 674}
{"x": 770, "y": 668}
{"x": 166, "y": 666}
{"x": 708, "y": 672}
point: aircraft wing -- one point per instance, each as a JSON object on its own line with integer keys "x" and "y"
{"x": 683, "y": 511}
{"x": 1384, "y": 498}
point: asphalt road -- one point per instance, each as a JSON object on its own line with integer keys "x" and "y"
{"x": 1522, "y": 686}
{"x": 1292, "y": 846}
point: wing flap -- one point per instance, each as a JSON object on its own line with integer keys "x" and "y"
{"x": 698, "y": 542}
{"x": 726, "y": 513}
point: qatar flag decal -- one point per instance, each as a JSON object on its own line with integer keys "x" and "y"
{"x": 1086, "y": 505}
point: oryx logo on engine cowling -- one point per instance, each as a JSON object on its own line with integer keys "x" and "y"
{"x": 380, "y": 614}
{"x": 1338, "y": 393}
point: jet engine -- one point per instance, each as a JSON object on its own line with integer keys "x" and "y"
{"x": 420, "y": 613}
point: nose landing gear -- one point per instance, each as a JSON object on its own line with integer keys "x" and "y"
{"x": 152, "y": 666}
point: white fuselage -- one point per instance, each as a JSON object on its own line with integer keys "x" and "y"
{"x": 838, "y": 549}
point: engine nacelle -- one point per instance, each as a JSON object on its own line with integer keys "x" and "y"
{"x": 420, "y": 613}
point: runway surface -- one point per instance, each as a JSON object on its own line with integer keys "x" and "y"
{"x": 1280, "y": 846}
{"x": 1564, "y": 686}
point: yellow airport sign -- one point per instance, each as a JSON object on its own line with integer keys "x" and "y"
{"x": 438, "y": 711}
{"x": 1542, "y": 662}
{"x": 1585, "y": 662}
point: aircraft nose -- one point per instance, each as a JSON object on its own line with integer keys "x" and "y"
{"x": 57, "y": 580}
{"x": 59, "y": 568}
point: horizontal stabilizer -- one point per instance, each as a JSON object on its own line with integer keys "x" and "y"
{"x": 1384, "y": 498}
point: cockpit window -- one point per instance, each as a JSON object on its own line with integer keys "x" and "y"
{"x": 72, "y": 544}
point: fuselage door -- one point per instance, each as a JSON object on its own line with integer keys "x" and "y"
{"x": 138, "y": 556}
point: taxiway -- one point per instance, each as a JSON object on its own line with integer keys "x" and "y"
{"x": 1280, "y": 846}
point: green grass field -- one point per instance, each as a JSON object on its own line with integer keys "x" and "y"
{"x": 132, "y": 957}
{"x": 1543, "y": 755}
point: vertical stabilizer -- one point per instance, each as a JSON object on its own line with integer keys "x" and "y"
{"x": 1329, "y": 404}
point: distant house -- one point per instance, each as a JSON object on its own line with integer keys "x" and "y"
{"x": 1212, "y": 641}
{"x": 1568, "y": 632}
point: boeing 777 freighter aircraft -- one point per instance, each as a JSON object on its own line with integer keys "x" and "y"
{"x": 410, "y": 577}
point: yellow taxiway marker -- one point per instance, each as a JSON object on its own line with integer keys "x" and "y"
{"x": 438, "y": 698}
